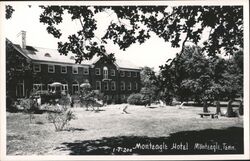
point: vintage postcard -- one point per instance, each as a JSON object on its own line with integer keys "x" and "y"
{"x": 124, "y": 80}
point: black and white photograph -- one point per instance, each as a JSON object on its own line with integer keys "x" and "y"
{"x": 129, "y": 79}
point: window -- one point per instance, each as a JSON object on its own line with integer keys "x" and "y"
{"x": 51, "y": 69}
{"x": 113, "y": 86}
{"x": 85, "y": 70}
{"x": 65, "y": 87}
{"x": 98, "y": 85}
{"x": 50, "y": 88}
{"x": 63, "y": 69}
{"x": 136, "y": 86}
{"x": 135, "y": 74}
{"x": 75, "y": 70}
{"x": 38, "y": 87}
{"x": 122, "y": 73}
{"x": 75, "y": 88}
{"x": 112, "y": 71}
{"x": 47, "y": 55}
{"x": 97, "y": 71}
{"x": 37, "y": 67}
{"x": 20, "y": 89}
{"x": 122, "y": 86}
{"x": 106, "y": 85}
{"x": 105, "y": 73}
{"x": 129, "y": 74}
{"x": 129, "y": 86}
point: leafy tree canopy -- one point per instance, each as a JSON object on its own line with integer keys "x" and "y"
{"x": 170, "y": 23}
{"x": 149, "y": 83}
{"x": 193, "y": 75}
{"x": 8, "y": 11}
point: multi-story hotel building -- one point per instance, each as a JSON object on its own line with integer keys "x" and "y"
{"x": 117, "y": 80}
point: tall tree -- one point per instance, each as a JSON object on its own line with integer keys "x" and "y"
{"x": 18, "y": 67}
{"x": 149, "y": 83}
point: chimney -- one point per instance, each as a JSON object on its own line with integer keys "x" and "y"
{"x": 23, "y": 39}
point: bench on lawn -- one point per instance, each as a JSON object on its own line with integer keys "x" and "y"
{"x": 213, "y": 115}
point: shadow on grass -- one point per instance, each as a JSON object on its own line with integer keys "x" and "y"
{"x": 211, "y": 139}
{"x": 152, "y": 107}
{"x": 74, "y": 129}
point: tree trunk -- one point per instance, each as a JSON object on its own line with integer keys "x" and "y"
{"x": 205, "y": 106}
{"x": 241, "y": 108}
{"x": 218, "y": 111}
{"x": 230, "y": 112}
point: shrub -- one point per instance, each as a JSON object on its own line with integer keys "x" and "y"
{"x": 49, "y": 97}
{"x": 146, "y": 100}
{"x": 29, "y": 104}
{"x": 10, "y": 104}
{"x": 60, "y": 116}
{"x": 137, "y": 99}
{"x": 64, "y": 101}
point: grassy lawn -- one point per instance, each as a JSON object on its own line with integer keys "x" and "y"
{"x": 104, "y": 132}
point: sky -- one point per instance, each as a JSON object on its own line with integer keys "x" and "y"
{"x": 153, "y": 53}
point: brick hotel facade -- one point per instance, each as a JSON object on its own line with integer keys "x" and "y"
{"x": 116, "y": 80}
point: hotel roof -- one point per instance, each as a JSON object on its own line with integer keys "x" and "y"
{"x": 52, "y": 55}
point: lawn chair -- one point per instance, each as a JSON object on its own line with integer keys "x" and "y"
{"x": 223, "y": 112}
{"x": 124, "y": 110}
{"x": 181, "y": 105}
{"x": 161, "y": 103}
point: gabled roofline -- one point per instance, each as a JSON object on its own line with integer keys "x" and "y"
{"x": 94, "y": 62}
{"x": 17, "y": 49}
{"x": 20, "y": 50}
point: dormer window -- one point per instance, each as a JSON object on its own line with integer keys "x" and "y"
{"x": 72, "y": 58}
{"x": 47, "y": 55}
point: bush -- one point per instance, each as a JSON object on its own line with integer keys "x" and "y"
{"x": 46, "y": 96}
{"x": 60, "y": 116}
{"x": 64, "y": 101}
{"x": 29, "y": 104}
{"x": 146, "y": 100}
{"x": 10, "y": 104}
{"x": 135, "y": 99}
{"x": 138, "y": 99}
